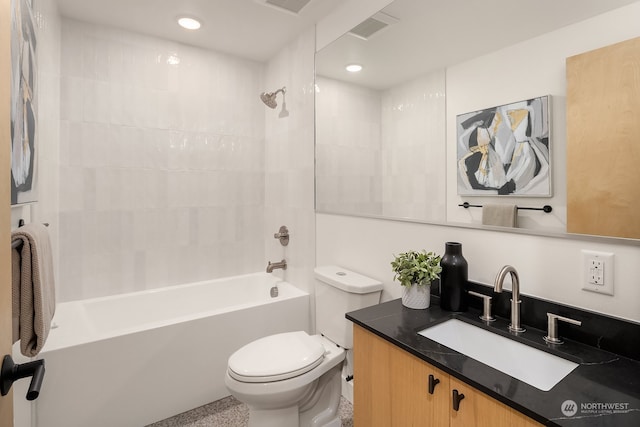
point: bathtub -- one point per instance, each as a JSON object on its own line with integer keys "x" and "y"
{"x": 133, "y": 359}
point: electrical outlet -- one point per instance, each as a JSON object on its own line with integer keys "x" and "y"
{"x": 597, "y": 272}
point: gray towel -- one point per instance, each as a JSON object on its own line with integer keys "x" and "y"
{"x": 33, "y": 288}
{"x": 501, "y": 215}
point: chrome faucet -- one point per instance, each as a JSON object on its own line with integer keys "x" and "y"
{"x": 272, "y": 266}
{"x": 515, "y": 295}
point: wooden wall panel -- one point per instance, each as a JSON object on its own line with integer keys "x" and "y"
{"x": 603, "y": 141}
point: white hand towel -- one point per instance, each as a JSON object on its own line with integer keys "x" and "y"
{"x": 500, "y": 215}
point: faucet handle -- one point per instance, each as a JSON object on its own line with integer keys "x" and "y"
{"x": 552, "y": 327}
{"x": 486, "y": 311}
{"x": 282, "y": 235}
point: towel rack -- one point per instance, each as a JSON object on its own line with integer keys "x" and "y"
{"x": 545, "y": 208}
{"x": 15, "y": 244}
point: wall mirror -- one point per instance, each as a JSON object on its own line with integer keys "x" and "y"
{"x": 386, "y": 135}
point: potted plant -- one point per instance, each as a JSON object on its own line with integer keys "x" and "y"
{"x": 415, "y": 270}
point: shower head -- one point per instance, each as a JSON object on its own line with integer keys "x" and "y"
{"x": 269, "y": 98}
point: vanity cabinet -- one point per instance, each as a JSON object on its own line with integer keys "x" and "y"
{"x": 394, "y": 388}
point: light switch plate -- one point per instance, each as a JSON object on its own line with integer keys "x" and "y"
{"x": 597, "y": 272}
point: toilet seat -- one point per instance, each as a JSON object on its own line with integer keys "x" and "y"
{"x": 276, "y": 357}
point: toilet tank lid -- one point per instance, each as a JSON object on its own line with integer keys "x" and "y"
{"x": 346, "y": 280}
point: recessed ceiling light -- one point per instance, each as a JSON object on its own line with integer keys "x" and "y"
{"x": 353, "y": 68}
{"x": 189, "y": 23}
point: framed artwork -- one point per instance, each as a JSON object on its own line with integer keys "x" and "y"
{"x": 23, "y": 102}
{"x": 504, "y": 150}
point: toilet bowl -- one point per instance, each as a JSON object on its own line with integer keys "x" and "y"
{"x": 297, "y": 388}
{"x": 295, "y": 379}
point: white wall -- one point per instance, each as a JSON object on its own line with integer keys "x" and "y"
{"x": 161, "y": 163}
{"x": 549, "y": 267}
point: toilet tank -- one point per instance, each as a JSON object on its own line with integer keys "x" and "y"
{"x": 339, "y": 291}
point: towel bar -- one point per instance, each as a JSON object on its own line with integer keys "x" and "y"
{"x": 545, "y": 208}
{"x": 15, "y": 244}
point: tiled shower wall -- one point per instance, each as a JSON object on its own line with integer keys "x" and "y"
{"x": 413, "y": 153}
{"x": 348, "y": 127}
{"x": 161, "y": 163}
{"x": 289, "y": 162}
{"x": 397, "y": 136}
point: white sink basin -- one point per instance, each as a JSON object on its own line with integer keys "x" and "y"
{"x": 530, "y": 365}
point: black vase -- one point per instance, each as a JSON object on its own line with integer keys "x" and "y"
{"x": 453, "y": 279}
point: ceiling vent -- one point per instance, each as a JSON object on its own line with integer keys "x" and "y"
{"x": 290, "y": 6}
{"x": 372, "y": 26}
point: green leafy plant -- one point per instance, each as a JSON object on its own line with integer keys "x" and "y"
{"x": 419, "y": 267}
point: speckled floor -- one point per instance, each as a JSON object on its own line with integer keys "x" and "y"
{"x": 230, "y": 412}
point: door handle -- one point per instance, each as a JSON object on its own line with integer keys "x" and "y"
{"x": 11, "y": 372}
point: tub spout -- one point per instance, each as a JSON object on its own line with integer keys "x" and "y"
{"x": 272, "y": 266}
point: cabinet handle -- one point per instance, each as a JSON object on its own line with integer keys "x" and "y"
{"x": 433, "y": 382}
{"x": 457, "y": 397}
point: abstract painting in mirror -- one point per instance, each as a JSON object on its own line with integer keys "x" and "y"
{"x": 504, "y": 150}
{"x": 24, "y": 103}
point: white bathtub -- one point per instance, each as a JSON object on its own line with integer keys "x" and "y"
{"x": 130, "y": 360}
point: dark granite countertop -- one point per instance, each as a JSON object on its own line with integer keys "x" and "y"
{"x": 605, "y": 386}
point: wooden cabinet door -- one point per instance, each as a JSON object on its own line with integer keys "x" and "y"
{"x": 479, "y": 410}
{"x": 391, "y": 386}
{"x": 521, "y": 420}
{"x": 371, "y": 402}
{"x": 412, "y": 404}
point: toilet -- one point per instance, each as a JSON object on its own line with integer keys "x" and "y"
{"x": 295, "y": 379}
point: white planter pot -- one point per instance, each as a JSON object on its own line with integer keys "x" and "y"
{"x": 417, "y": 297}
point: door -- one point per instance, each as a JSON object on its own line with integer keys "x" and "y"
{"x": 603, "y": 103}
{"x": 6, "y": 402}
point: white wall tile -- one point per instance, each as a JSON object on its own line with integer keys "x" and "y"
{"x": 289, "y": 158}
{"x": 159, "y": 161}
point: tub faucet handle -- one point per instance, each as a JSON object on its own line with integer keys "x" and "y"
{"x": 282, "y": 235}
